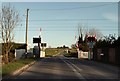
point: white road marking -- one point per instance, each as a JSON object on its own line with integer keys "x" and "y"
{"x": 75, "y": 66}
{"x": 78, "y": 74}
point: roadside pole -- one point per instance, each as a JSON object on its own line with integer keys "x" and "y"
{"x": 26, "y": 34}
{"x": 91, "y": 42}
{"x": 40, "y": 36}
{"x": 39, "y": 45}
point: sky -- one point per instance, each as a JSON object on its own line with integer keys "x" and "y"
{"x": 59, "y": 0}
{"x": 59, "y": 20}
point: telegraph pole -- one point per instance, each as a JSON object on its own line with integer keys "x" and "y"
{"x": 39, "y": 44}
{"x": 26, "y": 33}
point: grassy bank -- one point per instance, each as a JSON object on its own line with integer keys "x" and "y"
{"x": 11, "y": 67}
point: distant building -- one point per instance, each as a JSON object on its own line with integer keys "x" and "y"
{"x": 12, "y": 55}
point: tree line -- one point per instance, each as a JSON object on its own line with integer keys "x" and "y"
{"x": 108, "y": 41}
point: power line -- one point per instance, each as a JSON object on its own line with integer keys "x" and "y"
{"x": 73, "y": 24}
{"x": 64, "y": 27}
{"x": 66, "y": 20}
{"x": 94, "y": 6}
{"x": 66, "y": 30}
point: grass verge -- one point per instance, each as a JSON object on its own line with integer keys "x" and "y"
{"x": 11, "y": 67}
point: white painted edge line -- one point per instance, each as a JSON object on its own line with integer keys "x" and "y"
{"x": 75, "y": 66}
{"x": 78, "y": 74}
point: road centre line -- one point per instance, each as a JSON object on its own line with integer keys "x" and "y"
{"x": 73, "y": 68}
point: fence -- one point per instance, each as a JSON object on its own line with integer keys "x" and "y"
{"x": 107, "y": 55}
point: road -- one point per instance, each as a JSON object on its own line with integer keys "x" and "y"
{"x": 69, "y": 68}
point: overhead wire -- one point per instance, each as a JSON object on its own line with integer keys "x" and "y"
{"x": 75, "y": 7}
{"x": 64, "y": 30}
{"x": 64, "y": 19}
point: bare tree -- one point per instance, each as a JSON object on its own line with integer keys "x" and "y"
{"x": 95, "y": 32}
{"x": 83, "y": 31}
{"x": 9, "y": 19}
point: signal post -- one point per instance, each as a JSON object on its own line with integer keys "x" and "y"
{"x": 91, "y": 42}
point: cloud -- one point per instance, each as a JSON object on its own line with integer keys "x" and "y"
{"x": 111, "y": 16}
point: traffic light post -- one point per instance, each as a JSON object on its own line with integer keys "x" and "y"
{"x": 90, "y": 54}
{"x": 91, "y": 42}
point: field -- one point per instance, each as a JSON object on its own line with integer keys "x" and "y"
{"x": 53, "y": 51}
{"x": 71, "y": 53}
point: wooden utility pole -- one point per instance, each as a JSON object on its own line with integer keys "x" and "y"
{"x": 39, "y": 44}
{"x": 39, "y": 48}
{"x": 26, "y": 33}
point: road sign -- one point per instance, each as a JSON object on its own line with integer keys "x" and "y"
{"x": 91, "y": 39}
{"x": 36, "y": 40}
